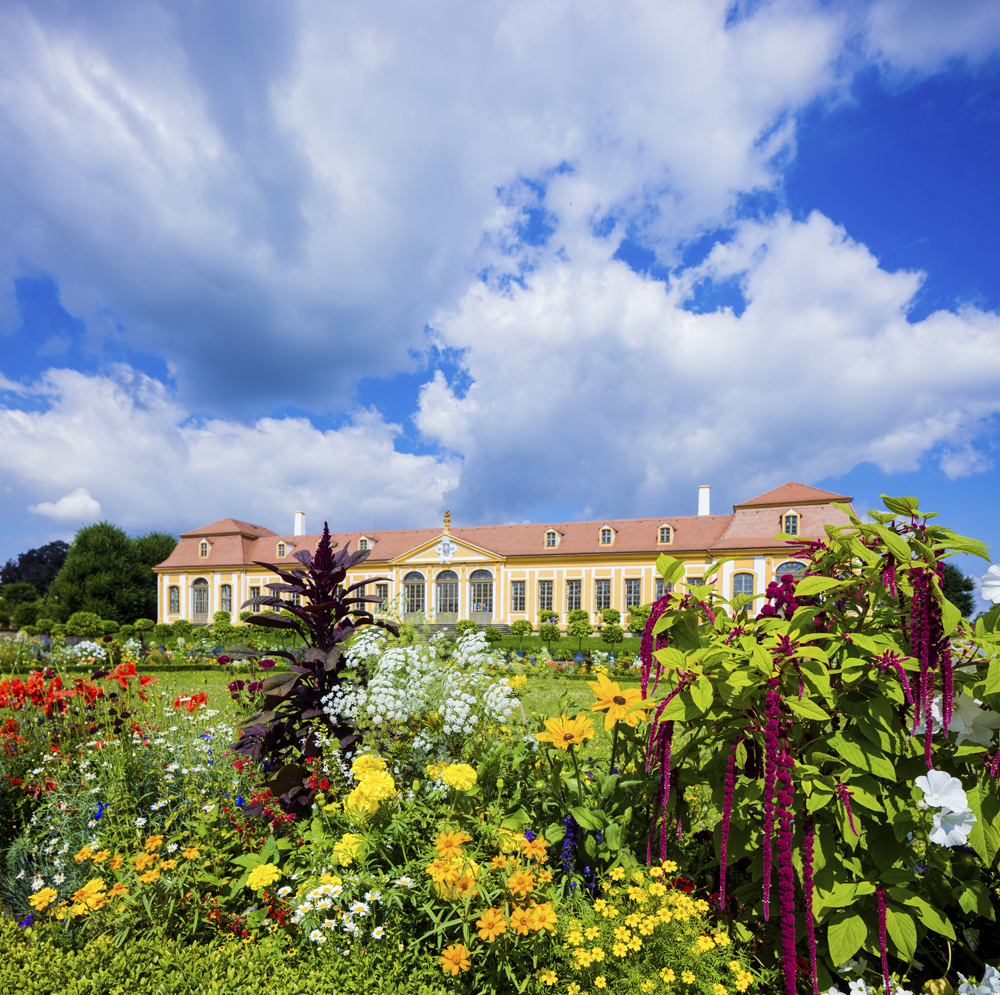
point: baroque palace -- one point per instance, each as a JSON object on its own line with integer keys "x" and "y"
{"x": 497, "y": 574}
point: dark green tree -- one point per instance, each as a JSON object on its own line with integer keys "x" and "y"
{"x": 958, "y": 589}
{"x": 16, "y": 593}
{"x": 37, "y": 567}
{"x": 109, "y": 574}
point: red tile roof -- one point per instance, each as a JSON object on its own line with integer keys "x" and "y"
{"x": 229, "y": 526}
{"x": 792, "y": 494}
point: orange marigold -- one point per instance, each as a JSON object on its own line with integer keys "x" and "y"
{"x": 455, "y": 959}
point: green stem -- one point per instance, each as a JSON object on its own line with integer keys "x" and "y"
{"x": 579, "y": 782}
{"x": 614, "y": 749}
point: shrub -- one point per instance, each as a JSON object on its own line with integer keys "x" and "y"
{"x": 44, "y": 625}
{"x": 125, "y": 633}
{"x": 579, "y": 626}
{"x": 549, "y": 634}
{"x": 520, "y": 628}
{"x": 183, "y": 628}
{"x": 492, "y": 634}
{"x": 466, "y": 625}
{"x": 59, "y": 629}
{"x": 162, "y": 631}
{"x": 611, "y": 616}
{"x": 612, "y": 634}
{"x": 109, "y": 628}
{"x": 85, "y": 624}
{"x": 26, "y": 613}
{"x": 144, "y": 625}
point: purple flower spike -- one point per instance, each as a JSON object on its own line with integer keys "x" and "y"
{"x": 646, "y": 647}
{"x": 808, "y": 848}
{"x": 786, "y": 872}
{"x": 844, "y": 794}
{"x": 880, "y": 903}
{"x": 770, "y": 769}
{"x": 727, "y": 809}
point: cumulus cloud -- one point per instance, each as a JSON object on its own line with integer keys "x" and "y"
{"x": 598, "y": 381}
{"x": 132, "y": 446}
{"x": 77, "y": 506}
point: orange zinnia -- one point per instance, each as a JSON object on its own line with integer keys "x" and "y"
{"x": 449, "y": 844}
{"x": 565, "y": 732}
{"x": 454, "y": 959}
{"x": 626, "y": 706}
{"x": 491, "y": 924}
{"x": 536, "y": 849}
{"x": 521, "y": 883}
{"x": 520, "y": 921}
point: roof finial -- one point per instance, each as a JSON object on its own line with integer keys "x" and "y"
{"x": 447, "y": 522}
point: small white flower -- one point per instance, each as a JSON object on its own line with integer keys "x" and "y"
{"x": 92, "y": 823}
{"x": 317, "y": 936}
{"x": 952, "y": 828}
{"x": 324, "y": 903}
{"x": 59, "y": 878}
{"x": 171, "y": 847}
{"x": 372, "y": 896}
{"x": 378, "y": 932}
{"x": 207, "y": 808}
{"x": 140, "y": 822}
{"x": 329, "y": 924}
{"x": 405, "y": 882}
{"x": 284, "y": 890}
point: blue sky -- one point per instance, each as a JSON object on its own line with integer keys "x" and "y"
{"x": 525, "y": 262}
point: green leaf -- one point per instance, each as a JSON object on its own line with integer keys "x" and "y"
{"x": 908, "y": 506}
{"x": 846, "y": 934}
{"x": 843, "y": 895}
{"x": 902, "y": 931}
{"x": 613, "y": 836}
{"x": 985, "y": 835}
{"x": 926, "y": 912}
{"x": 669, "y": 569}
{"x": 974, "y": 898}
{"x": 807, "y": 709}
{"x": 809, "y": 586}
{"x": 702, "y": 694}
{"x": 950, "y": 616}
{"x": 864, "y": 756}
{"x": 249, "y": 860}
{"x": 993, "y": 677}
{"x": 896, "y": 544}
{"x": 515, "y": 820}
{"x": 588, "y": 819}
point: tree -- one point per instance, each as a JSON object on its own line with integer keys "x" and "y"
{"x": 549, "y": 633}
{"x": 611, "y": 616}
{"x": 520, "y": 628}
{"x": 492, "y": 635}
{"x": 612, "y": 634}
{"x": 17, "y": 592}
{"x": 958, "y": 588}
{"x": 579, "y": 626}
{"x": 466, "y": 625}
{"x": 109, "y": 574}
{"x": 547, "y": 615}
{"x": 26, "y": 613}
{"x": 640, "y": 615}
{"x": 37, "y": 567}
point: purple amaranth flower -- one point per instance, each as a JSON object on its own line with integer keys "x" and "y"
{"x": 786, "y": 872}
{"x": 808, "y": 848}
{"x": 880, "y": 905}
{"x": 893, "y": 661}
{"x": 649, "y": 645}
{"x": 993, "y": 765}
{"x": 266, "y": 664}
{"x": 889, "y": 575}
{"x": 661, "y": 750}
{"x": 727, "y": 809}
{"x": 844, "y": 794}
{"x": 223, "y": 659}
{"x": 930, "y": 647}
{"x": 773, "y": 712}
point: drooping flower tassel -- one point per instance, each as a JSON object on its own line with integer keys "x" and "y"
{"x": 727, "y": 810}
{"x": 948, "y": 689}
{"x": 786, "y": 872}
{"x": 662, "y": 753}
{"x": 889, "y": 575}
{"x": 770, "y": 769}
{"x": 649, "y": 644}
{"x": 893, "y": 661}
{"x": 880, "y": 903}
{"x": 844, "y": 794}
{"x": 808, "y": 848}
{"x": 993, "y": 765}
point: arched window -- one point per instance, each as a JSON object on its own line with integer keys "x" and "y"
{"x": 413, "y": 588}
{"x": 550, "y": 539}
{"x": 199, "y": 600}
{"x": 226, "y": 598}
{"x": 482, "y": 594}
{"x": 790, "y": 567}
{"x": 742, "y": 584}
{"x": 447, "y": 593}
{"x": 281, "y": 550}
{"x": 174, "y": 600}
{"x": 666, "y": 533}
{"x": 203, "y": 548}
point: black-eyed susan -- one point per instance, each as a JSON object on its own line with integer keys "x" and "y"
{"x": 564, "y": 732}
{"x": 624, "y": 706}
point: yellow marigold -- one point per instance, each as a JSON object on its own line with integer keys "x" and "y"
{"x": 600, "y": 981}
{"x": 92, "y": 894}
{"x": 521, "y": 883}
{"x": 647, "y": 926}
{"x": 667, "y": 974}
{"x": 78, "y": 909}
{"x": 574, "y": 937}
{"x": 261, "y": 877}
{"x": 149, "y": 876}
{"x": 367, "y": 763}
{"x": 702, "y": 944}
{"x": 657, "y": 889}
{"x": 635, "y": 943}
{"x": 144, "y": 860}
{"x": 85, "y": 854}
{"x": 167, "y": 865}
{"x": 544, "y": 917}
{"x": 348, "y": 849}
{"x": 656, "y": 872}
{"x": 116, "y": 862}
{"x": 434, "y": 771}
{"x": 637, "y": 894}
{"x": 101, "y": 856}
{"x": 191, "y": 853}
{"x": 42, "y": 899}
{"x": 454, "y": 878}
{"x": 610, "y": 912}
{"x": 536, "y": 849}
{"x": 633, "y": 920}
{"x": 721, "y": 939}
{"x": 718, "y": 989}
{"x": 617, "y": 873}
{"x": 544, "y": 876}
{"x": 449, "y": 843}
{"x": 520, "y": 921}
{"x": 592, "y": 932}
{"x": 461, "y": 777}
{"x": 647, "y": 985}
{"x": 622, "y": 933}
{"x": 573, "y": 989}
{"x": 491, "y": 924}
{"x": 744, "y": 979}
{"x": 547, "y": 977}
{"x": 669, "y": 866}
{"x": 638, "y": 877}
{"x": 597, "y": 954}
{"x": 564, "y": 732}
{"x": 153, "y": 843}
{"x": 687, "y": 977}
{"x": 600, "y": 904}
{"x": 118, "y": 890}
{"x": 620, "y": 949}
{"x": 455, "y": 959}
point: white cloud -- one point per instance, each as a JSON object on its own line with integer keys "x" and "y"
{"x": 77, "y": 506}
{"x": 134, "y": 447}
{"x": 595, "y": 382}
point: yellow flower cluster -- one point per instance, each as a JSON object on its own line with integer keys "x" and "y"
{"x": 461, "y": 777}
{"x": 261, "y": 877}
{"x": 375, "y": 785}
{"x": 348, "y": 849}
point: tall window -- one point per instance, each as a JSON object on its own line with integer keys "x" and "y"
{"x": 296, "y": 599}
{"x": 550, "y": 539}
{"x": 447, "y": 593}
{"x": 661, "y": 589}
{"x": 517, "y": 595}
{"x": 281, "y": 550}
{"x": 254, "y": 592}
{"x": 226, "y": 598}
{"x": 199, "y": 600}
{"x": 413, "y": 588}
{"x": 203, "y": 548}
{"x": 666, "y": 533}
{"x": 360, "y": 592}
{"x": 791, "y": 525}
{"x": 574, "y": 594}
{"x": 362, "y": 544}
{"x": 790, "y": 567}
{"x": 545, "y": 595}
{"x": 174, "y": 600}
{"x": 742, "y": 584}
{"x": 633, "y": 592}
{"x": 482, "y": 592}
{"x": 605, "y": 537}
{"x": 382, "y": 592}
{"x": 602, "y": 594}
{"x": 694, "y": 580}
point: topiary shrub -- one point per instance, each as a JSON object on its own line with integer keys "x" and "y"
{"x": 144, "y": 625}
{"x": 612, "y": 634}
{"x": 44, "y": 626}
{"x": 549, "y": 633}
{"x": 182, "y": 627}
{"x": 464, "y": 626}
{"x": 85, "y": 624}
{"x": 492, "y": 634}
{"x": 520, "y": 628}
{"x": 163, "y": 631}
{"x": 126, "y": 632}
{"x": 109, "y": 627}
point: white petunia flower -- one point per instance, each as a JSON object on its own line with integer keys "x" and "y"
{"x": 990, "y": 985}
{"x": 990, "y": 584}
{"x": 952, "y": 828}
{"x": 941, "y": 790}
{"x": 968, "y": 720}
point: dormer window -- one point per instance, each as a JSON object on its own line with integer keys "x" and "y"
{"x": 666, "y": 534}
{"x": 282, "y": 549}
{"x": 550, "y": 539}
{"x": 790, "y": 525}
{"x": 203, "y": 548}
{"x": 606, "y": 536}
{"x": 363, "y": 544}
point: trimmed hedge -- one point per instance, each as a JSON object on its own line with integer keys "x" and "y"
{"x": 44, "y": 962}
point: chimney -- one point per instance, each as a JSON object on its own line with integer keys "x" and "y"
{"x": 300, "y": 523}
{"x": 703, "y": 499}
